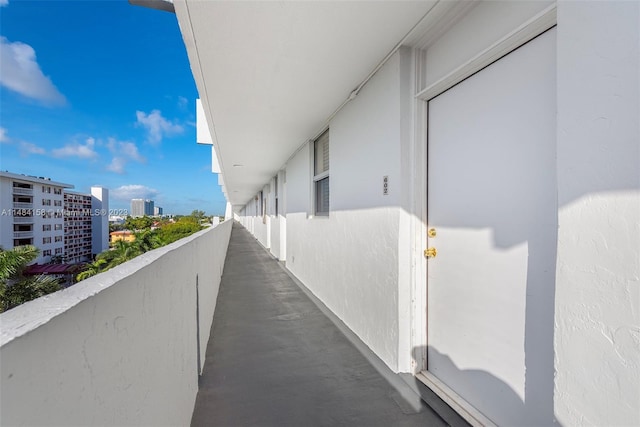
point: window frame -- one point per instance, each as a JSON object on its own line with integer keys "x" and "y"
{"x": 275, "y": 195}
{"x": 321, "y": 176}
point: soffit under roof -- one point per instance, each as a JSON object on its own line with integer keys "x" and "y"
{"x": 271, "y": 73}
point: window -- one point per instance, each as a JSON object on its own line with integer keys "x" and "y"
{"x": 58, "y": 251}
{"x": 46, "y": 253}
{"x": 57, "y": 191}
{"x": 321, "y": 173}
{"x": 46, "y": 189}
{"x": 263, "y": 207}
{"x": 57, "y": 203}
{"x": 275, "y": 194}
{"x": 58, "y": 238}
{"x": 46, "y": 227}
{"x": 58, "y": 227}
{"x": 46, "y": 202}
{"x": 46, "y": 240}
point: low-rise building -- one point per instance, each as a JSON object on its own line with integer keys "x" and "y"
{"x": 123, "y": 235}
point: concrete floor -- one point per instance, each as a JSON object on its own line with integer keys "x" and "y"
{"x": 275, "y": 359}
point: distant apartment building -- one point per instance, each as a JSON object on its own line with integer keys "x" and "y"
{"x": 32, "y": 214}
{"x": 44, "y": 213}
{"x": 86, "y": 224}
{"x": 77, "y": 227}
{"x": 157, "y": 211}
{"x": 142, "y": 207}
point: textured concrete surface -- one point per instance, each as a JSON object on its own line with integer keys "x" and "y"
{"x": 274, "y": 359}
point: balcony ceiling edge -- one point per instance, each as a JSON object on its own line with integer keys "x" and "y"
{"x": 270, "y": 74}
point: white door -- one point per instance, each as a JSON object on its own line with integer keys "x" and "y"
{"x": 492, "y": 203}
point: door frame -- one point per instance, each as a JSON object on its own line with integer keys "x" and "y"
{"x": 531, "y": 29}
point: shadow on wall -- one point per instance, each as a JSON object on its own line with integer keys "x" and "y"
{"x": 489, "y": 394}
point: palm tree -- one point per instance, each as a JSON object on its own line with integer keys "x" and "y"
{"x": 15, "y": 288}
{"x": 92, "y": 269}
{"x": 123, "y": 252}
{"x": 147, "y": 240}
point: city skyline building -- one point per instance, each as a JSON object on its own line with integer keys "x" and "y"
{"x": 142, "y": 207}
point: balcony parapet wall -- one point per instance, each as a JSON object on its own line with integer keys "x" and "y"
{"x": 124, "y": 347}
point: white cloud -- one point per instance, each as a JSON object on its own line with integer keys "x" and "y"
{"x": 27, "y": 148}
{"x": 182, "y": 102}
{"x": 20, "y": 72}
{"x": 3, "y": 135}
{"x": 83, "y": 151}
{"x": 4, "y": 3}
{"x": 157, "y": 126}
{"x": 134, "y": 191}
{"x": 117, "y": 165}
{"x": 123, "y": 152}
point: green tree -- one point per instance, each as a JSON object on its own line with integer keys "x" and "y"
{"x": 15, "y": 288}
{"x": 183, "y": 228}
{"x": 197, "y": 214}
{"x": 115, "y": 227}
{"x": 92, "y": 269}
{"x": 122, "y": 252}
{"x": 147, "y": 240}
{"x": 138, "y": 223}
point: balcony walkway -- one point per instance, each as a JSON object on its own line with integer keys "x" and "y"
{"x": 274, "y": 358}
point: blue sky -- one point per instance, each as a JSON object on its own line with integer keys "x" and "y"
{"x": 101, "y": 93}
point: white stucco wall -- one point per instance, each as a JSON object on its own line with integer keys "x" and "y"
{"x": 350, "y": 259}
{"x": 100, "y": 223}
{"x": 120, "y": 348}
{"x": 274, "y": 221}
{"x": 485, "y": 24}
{"x": 261, "y": 222}
{"x": 597, "y": 320}
{"x": 203, "y": 135}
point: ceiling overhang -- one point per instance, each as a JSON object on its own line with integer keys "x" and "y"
{"x": 270, "y": 74}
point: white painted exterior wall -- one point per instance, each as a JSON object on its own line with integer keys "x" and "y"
{"x": 203, "y": 136}
{"x": 260, "y": 218}
{"x": 597, "y": 319}
{"x": 100, "y": 223}
{"x": 120, "y": 348}
{"x": 364, "y": 261}
{"x": 274, "y": 219}
{"x": 350, "y": 259}
{"x": 488, "y": 22}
